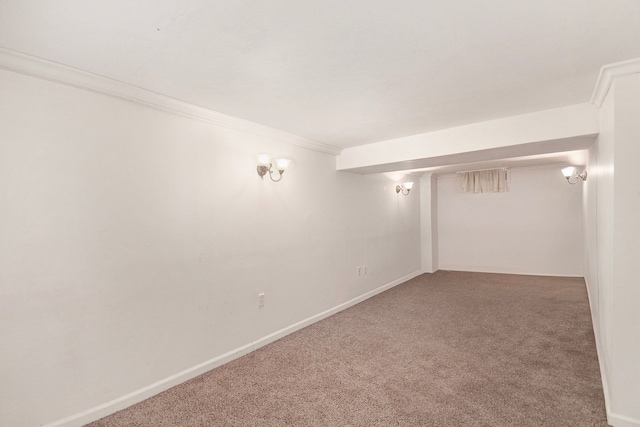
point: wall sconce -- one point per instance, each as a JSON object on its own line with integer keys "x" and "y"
{"x": 572, "y": 175}
{"x": 265, "y": 165}
{"x": 404, "y": 188}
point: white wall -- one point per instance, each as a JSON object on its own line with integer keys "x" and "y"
{"x": 612, "y": 203}
{"x": 134, "y": 243}
{"x": 625, "y": 333}
{"x": 598, "y": 234}
{"x": 535, "y": 228}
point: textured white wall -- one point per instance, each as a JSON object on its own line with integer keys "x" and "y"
{"x": 134, "y": 243}
{"x": 535, "y": 228}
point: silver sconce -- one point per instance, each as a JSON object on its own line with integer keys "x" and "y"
{"x": 404, "y": 188}
{"x": 572, "y": 175}
{"x": 265, "y": 165}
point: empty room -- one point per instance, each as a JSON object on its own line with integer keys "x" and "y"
{"x": 319, "y": 213}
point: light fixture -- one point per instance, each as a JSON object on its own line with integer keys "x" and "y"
{"x": 404, "y": 188}
{"x": 265, "y": 165}
{"x": 572, "y": 175}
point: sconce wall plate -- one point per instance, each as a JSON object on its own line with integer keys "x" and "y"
{"x": 572, "y": 175}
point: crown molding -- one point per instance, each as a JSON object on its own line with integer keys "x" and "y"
{"x": 36, "y": 67}
{"x": 610, "y": 72}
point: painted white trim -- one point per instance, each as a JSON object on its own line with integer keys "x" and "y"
{"x": 463, "y": 269}
{"x": 139, "y": 395}
{"x": 622, "y": 421}
{"x": 36, "y": 67}
{"x": 601, "y": 356}
{"x": 613, "y": 418}
{"x": 608, "y": 73}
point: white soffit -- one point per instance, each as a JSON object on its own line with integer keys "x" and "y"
{"x": 563, "y": 151}
{"x": 551, "y": 131}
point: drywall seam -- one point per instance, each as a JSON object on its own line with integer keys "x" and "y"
{"x": 610, "y": 72}
{"x": 36, "y": 67}
{"x": 139, "y": 395}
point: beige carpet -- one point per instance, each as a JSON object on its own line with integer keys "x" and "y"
{"x": 444, "y": 349}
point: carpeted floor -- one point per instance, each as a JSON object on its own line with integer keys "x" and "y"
{"x": 444, "y": 349}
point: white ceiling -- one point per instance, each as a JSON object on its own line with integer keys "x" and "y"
{"x": 337, "y": 72}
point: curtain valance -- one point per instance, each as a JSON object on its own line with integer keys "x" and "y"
{"x": 485, "y": 181}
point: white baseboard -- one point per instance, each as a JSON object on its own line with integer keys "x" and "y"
{"x": 137, "y": 396}
{"x": 497, "y": 270}
{"x": 613, "y": 419}
{"x": 600, "y": 352}
{"x": 621, "y": 421}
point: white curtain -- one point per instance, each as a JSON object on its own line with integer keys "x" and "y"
{"x": 485, "y": 181}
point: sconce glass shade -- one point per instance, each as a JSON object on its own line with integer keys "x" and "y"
{"x": 408, "y": 185}
{"x": 264, "y": 160}
{"x": 569, "y": 171}
{"x": 282, "y": 164}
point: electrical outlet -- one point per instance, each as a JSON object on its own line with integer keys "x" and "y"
{"x": 261, "y": 300}
{"x": 359, "y": 271}
{"x": 364, "y": 270}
